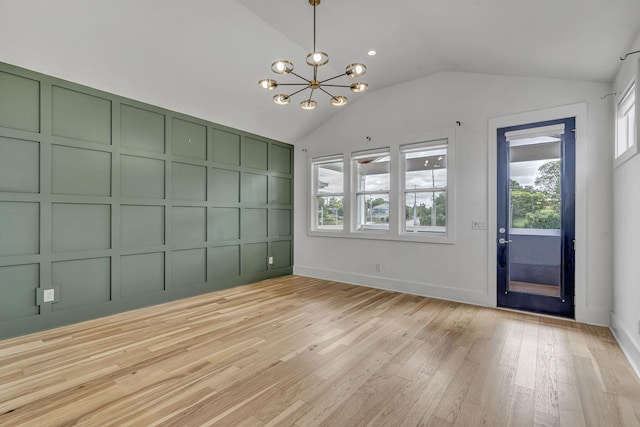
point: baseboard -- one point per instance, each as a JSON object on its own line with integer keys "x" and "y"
{"x": 628, "y": 345}
{"x": 388, "y": 284}
{"x": 593, "y": 316}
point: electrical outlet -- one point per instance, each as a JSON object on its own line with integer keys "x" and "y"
{"x": 378, "y": 267}
{"x": 48, "y": 295}
{"x": 478, "y": 224}
{"x": 270, "y": 260}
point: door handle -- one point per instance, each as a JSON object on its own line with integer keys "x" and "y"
{"x": 502, "y": 241}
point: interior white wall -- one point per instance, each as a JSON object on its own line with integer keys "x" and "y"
{"x": 405, "y": 113}
{"x": 625, "y": 318}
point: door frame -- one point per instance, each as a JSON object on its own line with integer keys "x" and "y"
{"x": 579, "y": 111}
{"x": 563, "y": 306}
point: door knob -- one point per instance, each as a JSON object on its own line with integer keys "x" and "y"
{"x": 502, "y": 241}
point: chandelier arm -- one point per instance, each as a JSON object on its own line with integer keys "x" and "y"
{"x": 298, "y": 75}
{"x": 311, "y": 94}
{"x": 314, "y": 30}
{"x": 326, "y": 92}
{"x": 298, "y": 91}
{"x": 338, "y": 85}
{"x": 334, "y": 77}
{"x": 293, "y": 84}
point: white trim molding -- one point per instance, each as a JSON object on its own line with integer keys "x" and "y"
{"x": 628, "y": 345}
{"x": 583, "y": 313}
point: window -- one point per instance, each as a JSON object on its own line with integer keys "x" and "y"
{"x": 328, "y": 193}
{"x": 404, "y": 192}
{"x": 372, "y": 184}
{"x": 425, "y": 187}
{"x": 626, "y": 124}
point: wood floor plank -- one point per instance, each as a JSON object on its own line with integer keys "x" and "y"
{"x": 309, "y": 352}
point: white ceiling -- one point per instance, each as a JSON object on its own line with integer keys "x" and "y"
{"x": 205, "y": 57}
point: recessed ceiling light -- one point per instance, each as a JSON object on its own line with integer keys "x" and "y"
{"x": 371, "y": 52}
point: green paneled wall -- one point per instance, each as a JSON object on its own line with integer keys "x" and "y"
{"x": 115, "y": 204}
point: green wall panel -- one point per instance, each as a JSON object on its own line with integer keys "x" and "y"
{"x": 189, "y": 139}
{"x": 255, "y": 154}
{"x": 224, "y": 261}
{"x": 81, "y": 116}
{"x": 78, "y": 171}
{"x": 189, "y": 267}
{"x": 19, "y": 228}
{"x": 141, "y": 177}
{"x": 116, "y": 204}
{"x": 254, "y": 188}
{"x": 142, "y": 129}
{"x": 281, "y": 253}
{"x": 189, "y": 182}
{"x": 279, "y": 190}
{"x": 189, "y": 224}
{"x": 19, "y": 165}
{"x": 279, "y": 222}
{"x": 225, "y": 224}
{"x": 225, "y": 186}
{"x": 141, "y": 274}
{"x": 82, "y": 282}
{"x": 226, "y": 147}
{"x": 141, "y": 226}
{"x": 80, "y": 227}
{"x": 18, "y": 285}
{"x": 19, "y": 102}
{"x": 254, "y": 225}
{"x": 255, "y": 257}
{"x": 280, "y": 159}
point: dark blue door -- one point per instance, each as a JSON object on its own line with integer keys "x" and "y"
{"x": 536, "y": 217}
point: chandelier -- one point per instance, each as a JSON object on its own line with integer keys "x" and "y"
{"x": 314, "y": 59}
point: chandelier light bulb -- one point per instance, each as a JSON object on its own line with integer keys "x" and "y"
{"x": 282, "y": 66}
{"x": 281, "y": 99}
{"x": 359, "y": 87}
{"x": 317, "y": 59}
{"x": 339, "y": 101}
{"x": 356, "y": 70}
{"x": 308, "y": 104}
{"x": 268, "y": 84}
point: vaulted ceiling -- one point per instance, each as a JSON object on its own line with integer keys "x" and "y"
{"x": 205, "y": 57}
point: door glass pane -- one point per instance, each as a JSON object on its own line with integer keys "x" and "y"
{"x": 535, "y": 216}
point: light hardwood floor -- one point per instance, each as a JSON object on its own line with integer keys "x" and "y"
{"x": 305, "y": 352}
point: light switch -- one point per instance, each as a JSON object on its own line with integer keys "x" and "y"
{"x": 478, "y": 224}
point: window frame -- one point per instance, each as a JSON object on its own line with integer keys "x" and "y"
{"x": 631, "y": 90}
{"x": 442, "y": 143}
{"x": 396, "y": 210}
{"x": 355, "y": 192}
{"x": 314, "y": 226}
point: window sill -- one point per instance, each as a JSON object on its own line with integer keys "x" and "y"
{"x": 441, "y": 238}
{"x": 627, "y": 155}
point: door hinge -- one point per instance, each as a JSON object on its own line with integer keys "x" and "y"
{"x": 574, "y": 244}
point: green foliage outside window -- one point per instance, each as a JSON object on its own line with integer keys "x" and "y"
{"x": 538, "y": 206}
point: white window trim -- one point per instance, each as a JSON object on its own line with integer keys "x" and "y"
{"x": 353, "y": 196}
{"x": 395, "y": 195}
{"x": 632, "y": 150}
{"x": 403, "y": 175}
{"x": 313, "y": 230}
